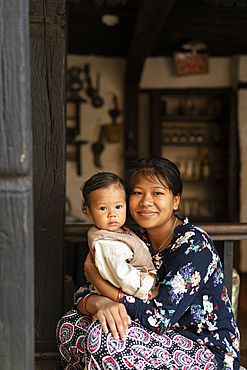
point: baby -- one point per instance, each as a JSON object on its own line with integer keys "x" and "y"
{"x": 120, "y": 256}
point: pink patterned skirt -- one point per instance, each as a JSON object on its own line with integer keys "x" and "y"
{"x": 82, "y": 342}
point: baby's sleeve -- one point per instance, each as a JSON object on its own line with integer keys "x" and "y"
{"x": 112, "y": 259}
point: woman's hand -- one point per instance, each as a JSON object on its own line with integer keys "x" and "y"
{"x": 115, "y": 315}
{"x": 105, "y": 306}
{"x": 109, "y": 313}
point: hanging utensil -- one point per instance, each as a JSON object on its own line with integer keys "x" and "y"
{"x": 97, "y": 101}
{"x": 113, "y": 131}
{"x": 97, "y": 149}
{"x": 115, "y": 112}
{"x": 90, "y": 89}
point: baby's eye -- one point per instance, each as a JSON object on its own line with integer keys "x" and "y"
{"x": 102, "y": 208}
{"x": 118, "y": 207}
{"x": 158, "y": 193}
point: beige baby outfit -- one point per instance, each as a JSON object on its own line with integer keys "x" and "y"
{"x": 124, "y": 260}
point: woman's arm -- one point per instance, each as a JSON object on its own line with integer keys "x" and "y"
{"x": 107, "y": 309}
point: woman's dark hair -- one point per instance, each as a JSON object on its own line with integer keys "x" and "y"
{"x": 155, "y": 167}
{"x": 100, "y": 180}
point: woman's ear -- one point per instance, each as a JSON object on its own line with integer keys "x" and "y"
{"x": 89, "y": 214}
{"x": 176, "y": 202}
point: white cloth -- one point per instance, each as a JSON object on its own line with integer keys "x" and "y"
{"x": 124, "y": 260}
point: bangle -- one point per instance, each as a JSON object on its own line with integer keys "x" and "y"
{"x": 84, "y": 302}
{"x": 119, "y": 295}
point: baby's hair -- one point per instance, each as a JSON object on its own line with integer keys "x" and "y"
{"x": 100, "y": 180}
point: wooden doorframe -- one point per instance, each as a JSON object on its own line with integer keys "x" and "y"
{"x": 16, "y": 191}
{"x": 48, "y": 71}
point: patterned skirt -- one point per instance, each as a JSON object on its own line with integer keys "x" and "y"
{"x": 82, "y": 341}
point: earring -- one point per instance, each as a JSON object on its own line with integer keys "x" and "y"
{"x": 176, "y": 208}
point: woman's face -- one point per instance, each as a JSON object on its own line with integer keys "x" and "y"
{"x": 151, "y": 204}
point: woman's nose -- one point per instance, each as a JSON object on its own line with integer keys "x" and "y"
{"x": 147, "y": 199}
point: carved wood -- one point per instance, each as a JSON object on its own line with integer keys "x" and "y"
{"x": 47, "y": 29}
{"x": 16, "y": 195}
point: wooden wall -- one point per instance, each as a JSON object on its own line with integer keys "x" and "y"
{"x": 48, "y": 48}
{"x": 16, "y": 194}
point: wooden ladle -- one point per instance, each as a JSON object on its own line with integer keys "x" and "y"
{"x": 90, "y": 89}
{"x": 97, "y": 149}
{"x": 115, "y": 112}
{"x": 97, "y": 101}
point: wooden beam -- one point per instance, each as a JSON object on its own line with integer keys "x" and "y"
{"x": 213, "y": 3}
{"x": 150, "y": 21}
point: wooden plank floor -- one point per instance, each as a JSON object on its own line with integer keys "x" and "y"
{"x": 242, "y": 318}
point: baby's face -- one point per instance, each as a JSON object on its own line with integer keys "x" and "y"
{"x": 108, "y": 208}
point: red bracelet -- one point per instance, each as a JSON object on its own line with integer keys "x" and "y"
{"x": 119, "y": 295}
{"x": 84, "y": 302}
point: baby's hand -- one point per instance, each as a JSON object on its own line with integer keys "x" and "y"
{"x": 154, "y": 292}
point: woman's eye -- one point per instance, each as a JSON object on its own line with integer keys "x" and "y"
{"x": 136, "y": 192}
{"x": 118, "y": 207}
{"x": 158, "y": 193}
{"x": 102, "y": 208}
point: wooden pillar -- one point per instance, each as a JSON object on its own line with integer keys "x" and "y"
{"x": 48, "y": 52}
{"x": 16, "y": 195}
{"x": 150, "y": 21}
{"x": 130, "y": 125}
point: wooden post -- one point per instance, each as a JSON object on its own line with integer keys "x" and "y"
{"x": 16, "y": 195}
{"x": 48, "y": 54}
{"x": 150, "y": 21}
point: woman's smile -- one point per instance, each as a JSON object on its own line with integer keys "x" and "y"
{"x": 151, "y": 203}
{"x": 146, "y": 213}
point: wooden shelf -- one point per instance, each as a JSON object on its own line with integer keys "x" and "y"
{"x": 180, "y": 118}
{"x": 182, "y": 138}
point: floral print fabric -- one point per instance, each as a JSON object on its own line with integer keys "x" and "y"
{"x": 193, "y": 298}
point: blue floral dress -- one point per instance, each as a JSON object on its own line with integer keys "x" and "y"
{"x": 193, "y": 298}
{"x": 189, "y": 325}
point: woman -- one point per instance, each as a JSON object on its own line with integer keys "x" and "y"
{"x": 188, "y": 325}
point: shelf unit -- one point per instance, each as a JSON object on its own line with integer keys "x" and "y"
{"x": 186, "y": 125}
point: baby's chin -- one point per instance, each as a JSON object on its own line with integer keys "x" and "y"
{"x": 114, "y": 228}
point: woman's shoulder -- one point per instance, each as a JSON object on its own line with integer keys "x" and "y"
{"x": 188, "y": 228}
{"x": 190, "y": 238}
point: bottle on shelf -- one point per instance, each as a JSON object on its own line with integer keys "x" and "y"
{"x": 205, "y": 164}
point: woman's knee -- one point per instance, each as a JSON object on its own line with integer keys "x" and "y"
{"x": 72, "y": 324}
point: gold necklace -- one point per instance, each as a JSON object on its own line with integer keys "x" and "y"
{"x": 156, "y": 250}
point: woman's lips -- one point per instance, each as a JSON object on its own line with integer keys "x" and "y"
{"x": 146, "y": 213}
